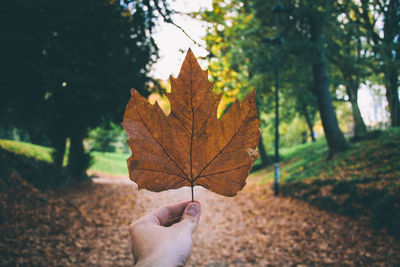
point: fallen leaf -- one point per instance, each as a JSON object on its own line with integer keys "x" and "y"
{"x": 191, "y": 146}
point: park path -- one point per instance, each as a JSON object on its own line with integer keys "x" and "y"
{"x": 87, "y": 225}
{"x": 252, "y": 229}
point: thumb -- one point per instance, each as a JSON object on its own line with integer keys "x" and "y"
{"x": 190, "y": 216}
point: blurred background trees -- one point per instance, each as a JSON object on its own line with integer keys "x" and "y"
{"x": 380, "y": 22}
{"x": 328, "y": 46}
{"x": 67, "y": 66}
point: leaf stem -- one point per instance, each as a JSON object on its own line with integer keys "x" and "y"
{"x": 191, "y": 187}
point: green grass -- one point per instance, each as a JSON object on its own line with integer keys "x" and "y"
{"x": 362, "y": 181}
{"x": 30, "y": 150}
{"x": 377, "y": 157}
{"x": 294, "y": 160}
{"x": 110, "y": 163}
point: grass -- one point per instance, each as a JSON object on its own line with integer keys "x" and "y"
{"x": 378, "y": 156}
{"x": 363, "y": 181}
{"x": 110, "y": 163}
{"x": 369, "y": 158}
{"x": 27, "y": 149}
{"x": 103, "y": 162}
{"x": 295, "y": 159}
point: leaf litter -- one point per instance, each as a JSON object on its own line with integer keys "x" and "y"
{"x": 87, "y": 225}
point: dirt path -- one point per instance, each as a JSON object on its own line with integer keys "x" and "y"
{"x": 253, "y": 229}
{"x": 87, "y": 225}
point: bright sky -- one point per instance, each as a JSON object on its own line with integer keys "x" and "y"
{"x": 372, "y": 103}
{"x": 173, "y": 44}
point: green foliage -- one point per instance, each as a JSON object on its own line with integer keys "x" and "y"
{"x": 292, "y": 132}
{"x": 379, "y": 22}
{"x": 374, "y": 156}
{"x": 109, "y": 138}
{"x": 240, "y": 60}
{"x": 69, "y": 65}
{"x": 110, "y": 163}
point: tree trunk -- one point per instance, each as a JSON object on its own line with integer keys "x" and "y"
{"x": 310, "y": 124}
{"x": 58, "y": 142}
{"x": 263, "y": 153}
{"x": 352, "y": 91}
{"x": 78, "y": 160}
{"x": 392, "y": 95}
{"x": 384, "y": 49}
{"x": 261, "y": 147}
{"x": 334, "y": 137}
{"x": 359, "y": 126}
{"x": 58, "y": 155}
{"x": 391, "y": 59}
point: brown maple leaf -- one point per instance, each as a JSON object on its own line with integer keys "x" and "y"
{"x": 191, "y": 146}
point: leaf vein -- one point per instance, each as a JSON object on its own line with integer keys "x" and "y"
{"x": 166, "y": 153}
{"x": 227, "y": 144}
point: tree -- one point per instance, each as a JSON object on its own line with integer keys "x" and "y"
{"x": 239, "y": 28}
{"x": 299, "y": 87}
{"x": 386, "y": 47}
{"x": 306, "y": 31}
{"x": 233, "y": 55}
{"x": 316, "y": 17}
{"x": 348, "y": 52}
{"x": 240, "y": 59}
{"x": 69, "y": 65}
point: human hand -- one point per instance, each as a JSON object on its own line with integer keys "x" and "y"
{"x": 164, "y": 236}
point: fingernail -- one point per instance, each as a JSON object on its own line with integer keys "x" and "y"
{"x": 193, "y": 209}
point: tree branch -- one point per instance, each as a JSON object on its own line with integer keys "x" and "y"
{"x": 168, "y": 19}
{"x": 367, "y": 23}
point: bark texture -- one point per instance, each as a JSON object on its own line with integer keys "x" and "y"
{"x": 335, "y": 139}
{"x": 310, "y": 123}
{"x": 352, "y": 91}
{"x": 78, "y": 160}
{"x": 386, "y": 48}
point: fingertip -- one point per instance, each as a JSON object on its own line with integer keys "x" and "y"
{"x": 193, "y": 208}
{"x": 191, "y": 216}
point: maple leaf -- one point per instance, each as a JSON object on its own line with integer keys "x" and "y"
{"x": 191, "y": 146}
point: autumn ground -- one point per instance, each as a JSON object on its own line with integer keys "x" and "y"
{"x": 87, "y": 225}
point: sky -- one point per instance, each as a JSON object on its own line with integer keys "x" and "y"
{"x": 173, "y": 44}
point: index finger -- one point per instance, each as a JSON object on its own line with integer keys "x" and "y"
{"x": 168, "y": 214}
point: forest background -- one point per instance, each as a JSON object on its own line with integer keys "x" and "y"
{"x": 330, "y": 51}
{"x": 66, "y": 70}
